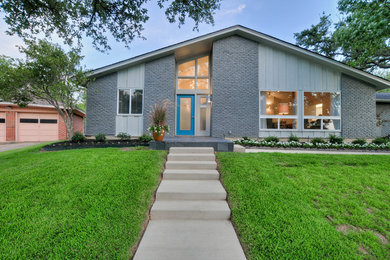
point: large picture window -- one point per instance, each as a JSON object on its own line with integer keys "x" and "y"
{"x": 193, "y": 74}
{"x": 278, "y": 110}
{"x": 284, "y": 110}
{"x": 322, "y": 111}
{"x": 130, "y": 101}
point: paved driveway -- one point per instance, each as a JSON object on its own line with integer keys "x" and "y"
{"x": 7, "y": 147}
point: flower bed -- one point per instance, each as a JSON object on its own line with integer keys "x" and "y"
{"x": 93, "y": 144}
{"x": 309, "y": 145}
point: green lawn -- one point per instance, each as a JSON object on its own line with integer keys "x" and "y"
{"x": 310, "y": 206}
{"x": 88, "y": 203}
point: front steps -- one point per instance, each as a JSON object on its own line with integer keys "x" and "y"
{"x": 190, "y": 218}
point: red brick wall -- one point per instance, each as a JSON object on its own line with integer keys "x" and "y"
{"x": 78, "y": 123}
{"x": 61, "y": 129}
{"x": 10, "y": 126}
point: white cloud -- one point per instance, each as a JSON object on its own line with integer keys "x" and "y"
{"x": 236, "y": 10}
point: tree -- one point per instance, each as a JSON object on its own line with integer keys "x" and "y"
{"x": 48, "y": 73}
{"x": 70, "y": 20}
{"x": 361, "y": 38}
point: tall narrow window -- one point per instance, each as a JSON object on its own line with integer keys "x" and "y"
{"x": 193, "y": 74}
{"x": 130, "y": 101}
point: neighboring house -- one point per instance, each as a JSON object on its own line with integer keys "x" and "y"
{"x": 383, "y": 113}
{"x": 231, "y": 83}
{"x": 35, "y": 123}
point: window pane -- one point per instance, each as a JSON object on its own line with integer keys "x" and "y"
{"x": 203, "y": 111}
{"x": 203, "y": 100}
{"x": 186, "y": 84}
{"x": 124, "y": 100}
{"x": 288, "y": 123}
{"x": 269, "y": 123}
{"x": 331, "y": 124}
{"x": 136, "y": 101}
{"x": 322, "y": 104}
{"x": 312, "y": 124}
{"x": 185, "y": 113}
{"x": 203, "y": 66}
{"x": 187, "y": 69}
{"x": 278, "y": 103}
{"x": 202, "y": 84}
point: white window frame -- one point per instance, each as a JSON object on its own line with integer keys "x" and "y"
{"x": 279, "y": 117}
{"x": 130, "y": 90}
{"x": 322, "y": 118}
{"x": 195, "y": 77}
{"x": 300, "y": 116}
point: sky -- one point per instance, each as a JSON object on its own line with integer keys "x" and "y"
{"x": 278, "y": 18}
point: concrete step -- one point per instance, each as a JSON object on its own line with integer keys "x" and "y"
{"x": 191, "y": 150}
{"x": 188, "y": 209}
{"x": 173, "y": 174}
{"x": 189, "y": 240}
{"x": 191, "y": 165}
{"x": 190, "y": 190}
{"x": 191, "y": 157}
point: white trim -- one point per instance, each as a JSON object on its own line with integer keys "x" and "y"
{"x": 250, "y": 34}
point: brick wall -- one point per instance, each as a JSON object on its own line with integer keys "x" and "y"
{"x": 10, "y": 125}
{"x": 235, "y": 88}
{"x": 358, "y": 111}
{"x": 160, "y": 85}
{"x": 102, "y": 105}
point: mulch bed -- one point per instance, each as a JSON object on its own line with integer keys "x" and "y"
{"x": 66, "y": 145}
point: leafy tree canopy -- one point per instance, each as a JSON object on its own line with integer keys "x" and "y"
{"x": 48, "y": 73}
{"x": 361, "y": 38}
{"x": 71, "y": 20}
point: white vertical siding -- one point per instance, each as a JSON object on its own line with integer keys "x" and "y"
{"x": 282, "y": 71}
{"x": 131, "y": 78}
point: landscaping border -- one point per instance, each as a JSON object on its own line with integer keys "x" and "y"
{"x": 68, "y": 145}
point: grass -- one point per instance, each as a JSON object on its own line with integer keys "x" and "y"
{"x": 88, "y": 203}
{"x": 309, "y": 206}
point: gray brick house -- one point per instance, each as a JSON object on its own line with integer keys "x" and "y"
{"x": 231, "y": 83}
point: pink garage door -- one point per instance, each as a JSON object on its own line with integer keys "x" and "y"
{"x": 37, "y": 127}
{"x": 2, "y": 127}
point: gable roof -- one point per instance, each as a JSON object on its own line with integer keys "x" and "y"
{"x": 203, "y": 44}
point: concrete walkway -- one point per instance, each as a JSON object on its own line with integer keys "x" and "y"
{"x": 190, "y": 218}
{"x": 13, "y": 146}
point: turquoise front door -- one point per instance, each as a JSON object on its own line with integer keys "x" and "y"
{"x": 185, "y": 115}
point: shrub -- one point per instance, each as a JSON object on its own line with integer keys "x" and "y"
{"x": 293, "y": 138}
{"x": 333, "y": 139}
{"x": 271, "y": 139}
{"x": 317, "y": 140}
{"x": 245, "y": 138}
{"x": 359, "y": 141}
{"x": 123, "y": 136}
{"x": 380, "y": 140}
{"x": 100, "y": 137}
{"x": 78, "y": 137}
{"x": 145, "y": 138}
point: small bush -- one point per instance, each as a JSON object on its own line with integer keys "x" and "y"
{"x": 100, "y": 137}
{"x": 123, "y": 136}
{"x": 293, "y": 138}
{"x": 245, "y": 138}
{"x": 333, "y": 139}
{"x": 317, "y": 140}
{"x": 271, "y": 139}
{"x": 380, "y": 140}
{"x": 145, "y": 138}
{"x": 78, "y": 137}
{"x": 360, "y": 141}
